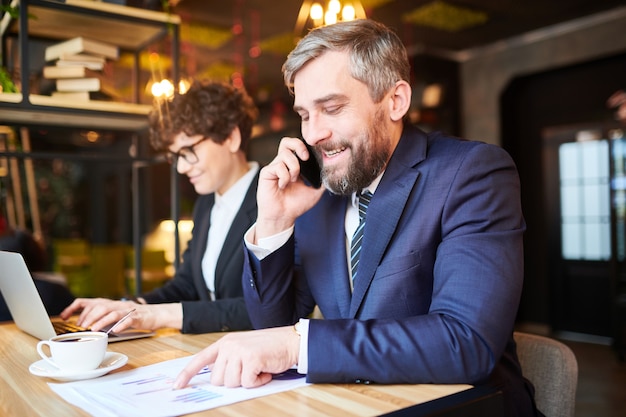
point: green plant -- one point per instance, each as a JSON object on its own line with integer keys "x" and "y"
{"x": 6, "y": 83}
{"x": 14, "y": 12}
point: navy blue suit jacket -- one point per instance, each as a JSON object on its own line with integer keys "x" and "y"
{"x": 440, "y": 274}
{"x": 228, "y": 311}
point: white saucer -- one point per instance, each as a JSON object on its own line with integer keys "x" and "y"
{"x": 111, "y": 361}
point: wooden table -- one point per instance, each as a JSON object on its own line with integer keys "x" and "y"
{"x": 23, "y": 394}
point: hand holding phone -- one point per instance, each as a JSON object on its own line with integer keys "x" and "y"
{"x": 310, "y": 170}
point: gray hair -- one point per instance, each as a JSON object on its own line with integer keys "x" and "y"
{"x": 377, "y": 56}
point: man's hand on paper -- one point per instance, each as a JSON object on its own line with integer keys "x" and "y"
{"x": 246, "y": 359}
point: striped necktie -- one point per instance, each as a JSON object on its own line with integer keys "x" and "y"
{"x": 357, "y": 238}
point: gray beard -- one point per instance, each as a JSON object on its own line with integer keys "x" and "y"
{"x": 368, "y": 161}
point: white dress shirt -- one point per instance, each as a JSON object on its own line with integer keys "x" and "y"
{"x": 222, "y": 215}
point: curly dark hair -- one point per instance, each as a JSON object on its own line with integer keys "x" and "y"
{"x": 211, "y": 109}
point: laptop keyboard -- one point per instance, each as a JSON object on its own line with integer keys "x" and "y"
{"x": 63, "y": 327}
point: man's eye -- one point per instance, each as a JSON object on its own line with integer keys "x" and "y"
{"x": 332, "y": 110}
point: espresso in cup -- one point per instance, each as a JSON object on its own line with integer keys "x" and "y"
{"x": 75, "y": 352}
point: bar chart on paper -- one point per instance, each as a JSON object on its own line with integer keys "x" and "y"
{"x": 148, "y": 391}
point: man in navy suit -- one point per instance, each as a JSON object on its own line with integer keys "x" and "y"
{"x": 437, "y": 287}
{"x": 206, "y": 132}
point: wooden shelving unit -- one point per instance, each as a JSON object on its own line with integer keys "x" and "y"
{"x": 131, "y": 29}
{"x": 94, "y": 114}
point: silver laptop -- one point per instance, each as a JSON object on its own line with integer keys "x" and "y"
{"x": 27, "y": 308}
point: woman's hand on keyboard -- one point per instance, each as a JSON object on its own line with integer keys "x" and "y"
{"x": 100, "y": 313}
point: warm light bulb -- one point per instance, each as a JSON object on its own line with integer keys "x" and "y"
{"x": 185, "y": 226}
{"x": 167, "y": 88}
{"x": 317, "y": 11}
{"x": 183, "y": 86}
{"x": 167, "y": 226}
{"x": 334, "y": 6}
{"x": 348, "y": 13}
{"x": 93, "y": 136}
{"x": 162, "y": 89}
{"x": 155, "y": 90}
{"x": 330, "y": 18}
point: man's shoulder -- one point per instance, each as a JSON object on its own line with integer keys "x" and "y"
{"x": 444, "y": 140}
{"x": 418, "y": 142}
{"x": 445, "y": 146}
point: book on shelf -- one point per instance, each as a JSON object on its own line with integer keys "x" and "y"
{"x": 89, "y": 84}
{"x": 72, "y": 95}
{"x": 92, "y": 62}
{"x": 81, "y": 58}
{"x": 78, "y": 84}
{"x": 81, "y": 45}
{"x": 70, "y": 71}
{"x": 94, "y": 66}
{"x": 83, "y": 96}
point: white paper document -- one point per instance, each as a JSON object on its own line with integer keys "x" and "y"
{"x": 147, "y": 391}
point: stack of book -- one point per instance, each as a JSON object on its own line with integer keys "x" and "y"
{"x": 76, "y": 67}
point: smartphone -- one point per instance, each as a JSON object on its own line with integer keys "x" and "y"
{"x": 310, "y": 170}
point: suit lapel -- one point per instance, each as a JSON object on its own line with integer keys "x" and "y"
{"x": 319, "y": 229}
{"x": 241, "y": 223}
{"x": 202, "y": 222}
{"x": 386, "y": 208}
{"x": 339, "y": 261}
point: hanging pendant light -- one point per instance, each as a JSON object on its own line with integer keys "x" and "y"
{"x": 314, "y": 14}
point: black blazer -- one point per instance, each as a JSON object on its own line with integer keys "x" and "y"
{"x": 228, "y": 311}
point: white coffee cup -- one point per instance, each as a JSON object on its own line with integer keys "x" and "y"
{"x": 75, "y": 352}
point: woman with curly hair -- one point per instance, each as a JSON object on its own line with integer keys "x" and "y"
{"x": 205, "y": 133}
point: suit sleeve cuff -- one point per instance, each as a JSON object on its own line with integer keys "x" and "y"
{"x": 266, "y": 245}
{"x": 303, "y": 354}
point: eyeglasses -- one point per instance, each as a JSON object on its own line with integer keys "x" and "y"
{"x": 186, "y": 152}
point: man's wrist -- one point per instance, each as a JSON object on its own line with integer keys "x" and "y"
{"x": 269, "y": 229}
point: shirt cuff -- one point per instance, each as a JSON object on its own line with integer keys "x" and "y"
{"x": 266, "y": 245}
{"x": 303, "y": 354}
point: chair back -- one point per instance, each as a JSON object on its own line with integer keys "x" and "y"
{"x": 552, "y": 368}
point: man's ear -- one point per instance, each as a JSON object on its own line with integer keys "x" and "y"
{"x": 400, "y": 100}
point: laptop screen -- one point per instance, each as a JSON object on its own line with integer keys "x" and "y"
{"x": 27, "y": 308}
{"x": 22, "y": 298}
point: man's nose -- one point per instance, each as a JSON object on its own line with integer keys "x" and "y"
{"x": 315, "y": 131}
